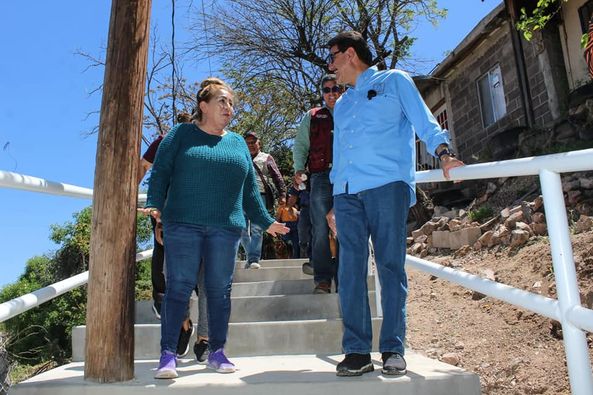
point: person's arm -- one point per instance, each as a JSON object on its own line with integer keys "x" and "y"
{"x": 276, "y": 177}
{"x": 335, "y": 151}
{"x": 426, "y": 126}
{"x": 143, "y": 168}
{"x": 162, "y": 169}
{"x": 148, "y": 158}
{"x": 300, "y": 148}
{"x": 253, "y": 204}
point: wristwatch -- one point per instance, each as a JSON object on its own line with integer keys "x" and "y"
{"x": 445, "y": 151}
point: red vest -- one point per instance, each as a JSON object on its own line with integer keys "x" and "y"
{"x": 321, "y": 137}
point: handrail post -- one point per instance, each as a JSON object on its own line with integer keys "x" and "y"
{"x": 575, "y": 342}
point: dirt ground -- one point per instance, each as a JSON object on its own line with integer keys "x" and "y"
{"x": 513, "y": 350}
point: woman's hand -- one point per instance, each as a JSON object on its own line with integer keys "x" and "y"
{"x": 156, "y": 214}
{"x": 277, "y": 228}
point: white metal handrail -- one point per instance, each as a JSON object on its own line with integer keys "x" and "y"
{"x": 33, "y": 184}
{"x": 26, "y": 302}
{"x": 567, "y": 309}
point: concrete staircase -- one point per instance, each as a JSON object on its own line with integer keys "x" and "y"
{"x": 282, "y": 339}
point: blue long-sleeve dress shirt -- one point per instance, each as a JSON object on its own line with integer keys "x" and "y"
{"x": 375, "y": 123}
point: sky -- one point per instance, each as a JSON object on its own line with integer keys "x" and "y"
{"x": 45, "y": 102}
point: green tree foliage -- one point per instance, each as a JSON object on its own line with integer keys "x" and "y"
{"x": 536, "y": 19}
{"x": 263, "y": 105}
{"x": 44, "y": 333}
{"x": 284, "y": 40}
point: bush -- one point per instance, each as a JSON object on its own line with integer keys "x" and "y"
{"x": 481, "y": 214}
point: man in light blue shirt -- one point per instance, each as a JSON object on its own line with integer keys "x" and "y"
{"x": 375, "y": 123}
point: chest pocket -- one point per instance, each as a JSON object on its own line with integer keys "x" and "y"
{"x": 380, "y": 112}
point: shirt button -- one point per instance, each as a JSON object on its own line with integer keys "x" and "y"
{"x": 350, "y": 146}
{"x": 350, "y": 162}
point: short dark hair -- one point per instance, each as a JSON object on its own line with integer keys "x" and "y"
{"x": 328, "y": 78}
{"x": 355, "y": 40}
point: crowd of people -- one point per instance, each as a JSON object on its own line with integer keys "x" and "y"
{"x": 211, "y": 190}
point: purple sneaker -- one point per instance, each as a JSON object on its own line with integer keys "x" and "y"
{"x": 167, "y": 366}
{"x": 218, "y": 361}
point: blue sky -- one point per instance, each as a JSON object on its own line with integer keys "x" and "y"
{"x": 44, "y": 102}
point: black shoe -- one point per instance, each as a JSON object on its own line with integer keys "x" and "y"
{"x": 183, "y": 342}
{"x": 355, "y": 365}
{"x": 201, "y": 351}
{"x": 394, "y": 364}
{"x": 323, "y": 287}
{"x": 307, "y": 268}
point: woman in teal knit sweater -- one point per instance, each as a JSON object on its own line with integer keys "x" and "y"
{"x": 201, "y": 183}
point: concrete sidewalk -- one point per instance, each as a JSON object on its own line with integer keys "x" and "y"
{"x": 274, "y": 375}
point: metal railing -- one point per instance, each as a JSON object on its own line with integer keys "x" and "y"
{"x": 566, "y": 309}
{"x": 26, "y": 302}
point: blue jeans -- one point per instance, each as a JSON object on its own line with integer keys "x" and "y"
{"x": 251, "y": 239}
{"x": 293, "y": 237}
{"x": 381, "y": 213}
{"x": 304, "y": 228}
{"x": 187, "y": 245}
{"x": 320, "y": 204}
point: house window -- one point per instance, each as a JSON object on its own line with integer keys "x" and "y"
{"x": 442, "y": 119}
{"x": 491, "y": 93}
{"x": 585, "y": 15}
{"x": 425, "y": 161}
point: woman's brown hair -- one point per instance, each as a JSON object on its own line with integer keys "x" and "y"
{"x": 206, "y": 92}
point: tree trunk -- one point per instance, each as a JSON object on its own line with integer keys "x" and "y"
{"x": 110, "y": 306}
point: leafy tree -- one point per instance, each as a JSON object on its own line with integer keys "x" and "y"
{"x": 284, "y": 40}
{"x": 44, "y": 333}
{"x": 536, "y": 19}
{"x": 263, "y": 106}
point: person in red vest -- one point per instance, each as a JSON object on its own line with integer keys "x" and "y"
{"x": 312, "y": 149}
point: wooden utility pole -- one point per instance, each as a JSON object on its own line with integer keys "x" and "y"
{"x": 110, "y": 305}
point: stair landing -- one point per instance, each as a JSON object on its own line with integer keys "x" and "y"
{"x": 286, "y": 375}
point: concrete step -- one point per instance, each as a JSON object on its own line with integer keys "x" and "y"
{"x": 269, "y": 274}
{"x": 276, "y": 263}
{"x": 266, "y": 308}
{"x": 286, "y": 375}
{"x": 288, "y": 307}
{"x": 245, "y": 339}
{"x": 281, "y": 287}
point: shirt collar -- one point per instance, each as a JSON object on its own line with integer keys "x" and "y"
{"x": 364, "y": 77}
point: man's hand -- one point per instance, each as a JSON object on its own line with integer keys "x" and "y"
{"x": 331, "y": 222}
{"x": 298, "y": 177}
{"x": 448, "y": 163}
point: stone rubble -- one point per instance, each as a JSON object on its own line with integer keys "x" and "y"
{"x": 512, "y": 227}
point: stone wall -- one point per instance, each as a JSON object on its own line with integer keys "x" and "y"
{"x": 471, "y": 137}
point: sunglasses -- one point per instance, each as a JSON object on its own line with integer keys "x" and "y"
{"x": 333, "y": 89}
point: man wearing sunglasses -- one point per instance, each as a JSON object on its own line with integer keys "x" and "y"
{"x": 312, "y": 149}
{"x": 373, "y": 179}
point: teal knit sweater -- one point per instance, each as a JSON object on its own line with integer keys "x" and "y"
{"x": 201, "y": 179}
